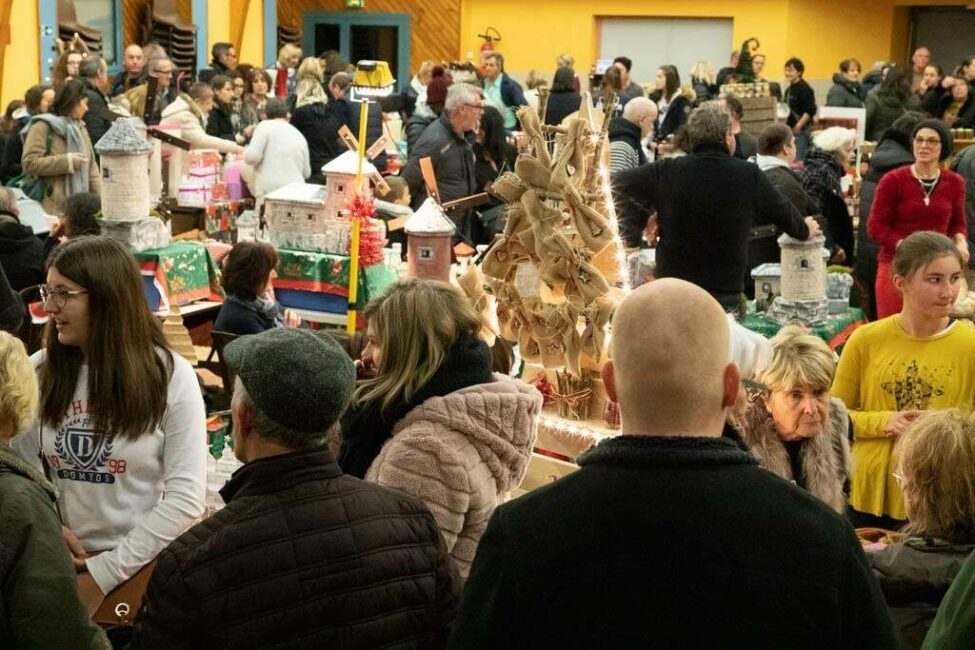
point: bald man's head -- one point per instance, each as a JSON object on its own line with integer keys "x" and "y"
{"x": 669, "y": 369}
{"x": 642, "y": 112}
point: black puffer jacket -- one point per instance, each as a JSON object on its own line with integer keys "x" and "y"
{"x": 303, "y": 557}
{"x": 21, "y": 253}
{"x": 915, "y": 576}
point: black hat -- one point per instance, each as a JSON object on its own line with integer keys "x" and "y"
{"x": 299, "y": 379}
{"x": 947, "y": 142}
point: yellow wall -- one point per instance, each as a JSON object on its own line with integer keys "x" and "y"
{"x": 820, "y": 32}
{"x": 21, "y": 66}
{"x": 252, "y": 45}
{"x": 218, "y": 23}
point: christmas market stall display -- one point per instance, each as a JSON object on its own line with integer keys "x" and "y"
{"x": 802, "y": 290}
{"x": 124, "y": 159}
{"x": 558, "y": 271}
{"x": 179, "y": 274}
{"x": 311, "y": 226}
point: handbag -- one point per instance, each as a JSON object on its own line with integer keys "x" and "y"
{"x": 122, "y": 603}
{"x": 32, "y": 186}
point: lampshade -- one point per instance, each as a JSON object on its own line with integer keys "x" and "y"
{"x": 372, "y": 79}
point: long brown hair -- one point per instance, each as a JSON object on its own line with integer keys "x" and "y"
{"x": 127, "y": 377}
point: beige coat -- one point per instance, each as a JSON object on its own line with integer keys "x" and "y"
{"x": 825, "y": 459}
{"x": 462, "y": 454}
{"x": 185, "y": 114}
{"x": 55, "y": 167}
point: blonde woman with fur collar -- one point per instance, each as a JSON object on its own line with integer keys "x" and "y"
{"x": 794, "y": 428}
{"x": 460, "y": 437}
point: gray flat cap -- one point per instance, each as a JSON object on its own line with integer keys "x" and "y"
{"x": 299, "y": 379}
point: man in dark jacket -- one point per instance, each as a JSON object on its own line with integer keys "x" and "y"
{"x": 224, "y": 59}
{"x": 670, "y": 535}
{"x": 11, "y": 306}
{"x": 706, "y": 205}
{"x": 627, "y": 133}
{"x": 132, "y": 71}
{"x": 448, "y": 143}
{"x": 301, "y": 554}
{"x": 94, "y": 77}
{"x": 894, "y": 150}
{"x": 501, "y": 90}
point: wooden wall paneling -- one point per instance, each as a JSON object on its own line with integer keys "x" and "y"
{"x": 133, "y": 21}
{"x": 434, "y": 24}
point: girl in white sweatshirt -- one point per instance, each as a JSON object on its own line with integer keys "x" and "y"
{"x": 121, "y": 431}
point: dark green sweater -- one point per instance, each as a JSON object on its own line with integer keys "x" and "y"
{"x": 39, "y": 605}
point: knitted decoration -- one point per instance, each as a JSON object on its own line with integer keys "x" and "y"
{"x": 744, "y": 73}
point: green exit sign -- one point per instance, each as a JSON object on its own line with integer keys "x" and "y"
{"x": 354, "y": 4}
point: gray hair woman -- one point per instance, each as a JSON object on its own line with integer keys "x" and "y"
{"x": 793, "y": 427}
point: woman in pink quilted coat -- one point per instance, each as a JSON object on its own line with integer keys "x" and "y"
{"x": 462, "y": 452}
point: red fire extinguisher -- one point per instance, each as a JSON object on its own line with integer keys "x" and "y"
{"x": 490, "y": 35}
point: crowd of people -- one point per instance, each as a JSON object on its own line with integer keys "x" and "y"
{"x": 373, "y": 507}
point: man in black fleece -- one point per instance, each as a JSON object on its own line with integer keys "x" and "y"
{"x": 706, "y": 204}
{"x": 11, "y": 306}
{"x": 670, "y": 535}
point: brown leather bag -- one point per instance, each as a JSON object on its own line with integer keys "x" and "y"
{"x": 122, "y": 604}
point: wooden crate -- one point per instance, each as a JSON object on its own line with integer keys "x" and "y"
{"x": 759, "y": 113}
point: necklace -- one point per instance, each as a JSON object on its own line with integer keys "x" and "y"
{"x": 927, "y": 184}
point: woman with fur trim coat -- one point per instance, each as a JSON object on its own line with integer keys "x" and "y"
{"x": 794, "y": 428}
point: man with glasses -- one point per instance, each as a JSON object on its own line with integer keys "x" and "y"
{"x": 162, "y": 70}
{"x": 224, "y": 60}
{"x": 448, "y": 142}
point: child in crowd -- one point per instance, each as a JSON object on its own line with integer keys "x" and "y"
{"x": 393, "y": 207}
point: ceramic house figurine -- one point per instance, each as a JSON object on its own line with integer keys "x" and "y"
{"x": 803, "y": 283}
{"x": 124, "y": 159}
{"x": 124, "y": 152}
{"x": 299, "y": 220}
{"x": 428, "y": 246}
{"x": 340, "y": 181}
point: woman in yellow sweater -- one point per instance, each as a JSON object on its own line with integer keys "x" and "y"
{"x": 891, "y": 370}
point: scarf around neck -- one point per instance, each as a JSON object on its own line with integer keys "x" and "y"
{"x": 70, "y": 130}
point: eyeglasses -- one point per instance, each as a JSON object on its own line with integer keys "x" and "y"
{"x": 57, "y": 295}
{"x": 240, "y": 86}
{"x": 931, "y": 142}
{"x": 477, "y": 107}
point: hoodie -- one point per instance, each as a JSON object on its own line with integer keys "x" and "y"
{"x": 21, "y": 254}
{"x": 462, "y": 454}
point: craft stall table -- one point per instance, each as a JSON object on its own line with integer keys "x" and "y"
{"x": 316, "y": 285}
{"x": 180, "y": 274}
{"x": 835, "y": 331}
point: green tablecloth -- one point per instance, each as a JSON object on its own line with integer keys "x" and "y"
{"x": 327, "y": 273}
{"x": 834, "y": 331}
{"x": 184, "y": 271}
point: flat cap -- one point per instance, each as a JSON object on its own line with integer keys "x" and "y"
{"x": 300, "y": 379}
